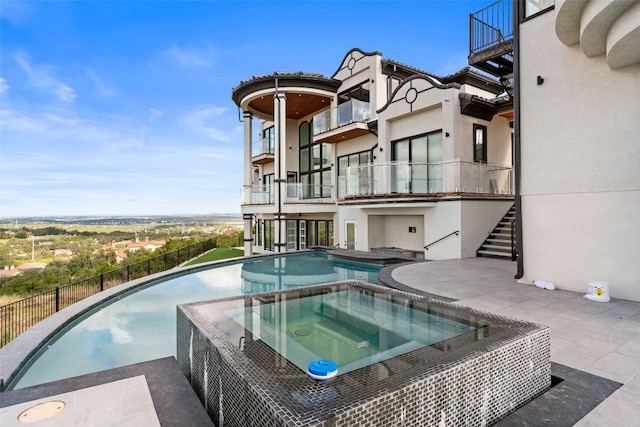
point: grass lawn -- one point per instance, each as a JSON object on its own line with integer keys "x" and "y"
{"x": 218, "y": 254}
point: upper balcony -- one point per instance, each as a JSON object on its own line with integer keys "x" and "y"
{"x": 346, "y": 121}
{"x": 399, "y": 179}
{"x": 263, "y": 151}
{"x": 491, "y": 39}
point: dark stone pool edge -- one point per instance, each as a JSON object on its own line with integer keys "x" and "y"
{"x": 566, "y": 403}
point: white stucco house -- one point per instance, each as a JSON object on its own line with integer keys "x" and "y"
{"x": 379, "y": 156}
{"x": 577, "y": 135}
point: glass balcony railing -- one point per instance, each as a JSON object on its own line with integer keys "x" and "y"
{"x": 425, "y": 178}
{"x": 294, "y": 193}
{"x": 349, "y": 112}
{"x": 263, "y": 146}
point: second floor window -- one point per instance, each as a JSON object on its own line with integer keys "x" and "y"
{"x": 419, "y": 167}
{"x": 479, "y": 143}
{"x": 360, "y": 180}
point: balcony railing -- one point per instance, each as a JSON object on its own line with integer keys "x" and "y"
{"x": 425, "y": 178}
{"x": 294, "y": 193}
{"x": 349, "y": 112}
{"x": 263, "y": 146}
{"x": 490, "y": 26}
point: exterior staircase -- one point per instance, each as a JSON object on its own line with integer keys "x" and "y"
{"x": 499, "y": 243}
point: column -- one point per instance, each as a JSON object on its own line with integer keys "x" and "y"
{"x": 280, "y": 177}
{"x": 247, "y": 184}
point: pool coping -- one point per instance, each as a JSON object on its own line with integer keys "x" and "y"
{"x": 174, "y": 401}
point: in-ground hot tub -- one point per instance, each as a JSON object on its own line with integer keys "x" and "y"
{"x": 401, "y": 358}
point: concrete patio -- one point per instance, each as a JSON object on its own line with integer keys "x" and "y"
{"x": 599, "y": 338}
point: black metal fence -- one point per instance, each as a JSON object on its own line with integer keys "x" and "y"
{"x": 18, "y": 316}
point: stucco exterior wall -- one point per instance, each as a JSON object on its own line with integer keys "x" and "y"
{"x": 580, "y": 165}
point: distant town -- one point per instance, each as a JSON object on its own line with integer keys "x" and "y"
{"x": 37, "y": 253}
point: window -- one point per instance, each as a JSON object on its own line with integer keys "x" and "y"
{"x": 353, "y": 105}
{"x": 360, "y": 180}
{"x": 269, "y": 232}
{"x": 479, "y": 143}
{"x": 269, "y": 188}
{"x": 315, "y": 164}
{"x": 360, "y": 92}
{"x": 419, "y": 164}
{"x": 533, "y": 7}
{"x": 259, "y": 232}
{"x": 268, "y": 140}
{"x": 318, "y": 232}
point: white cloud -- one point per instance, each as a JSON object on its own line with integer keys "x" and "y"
{"x": 42, "y": 77}
{"x": 207, "y": 122}
{"x": 155, "y": 114}
{"x": 100, "y": 87}
{"x": 4, "y": 86}
{"x": 190, "y": 57}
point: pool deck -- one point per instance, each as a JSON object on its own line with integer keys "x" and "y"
{"x": 596, "y": 341}
{"x": 598, "y": 338}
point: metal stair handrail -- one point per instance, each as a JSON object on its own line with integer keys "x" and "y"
{"x": 442, "y": 238}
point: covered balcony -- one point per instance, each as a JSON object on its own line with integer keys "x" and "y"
{"x": 346, "y": 121}
{"x": 295, "y": 193}
{"x": 399, "y": 179}
{"x": 263, "y": 151}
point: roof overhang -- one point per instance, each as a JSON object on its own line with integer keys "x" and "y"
{"x": 485, "y": 109}
{"x": 305, "y": 93}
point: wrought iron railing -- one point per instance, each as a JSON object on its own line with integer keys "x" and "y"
{"x": 490, "y": 26}
{"x": 18, "y": 316}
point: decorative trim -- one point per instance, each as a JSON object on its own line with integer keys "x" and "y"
{"x": 409, "y": 81}
{"x": 355, "y": 49}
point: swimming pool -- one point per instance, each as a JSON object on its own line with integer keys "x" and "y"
{"x": 352, "y": 326}
{"x": 141, "y": 325}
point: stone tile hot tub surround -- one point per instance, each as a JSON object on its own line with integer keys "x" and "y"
{"x": 474, "y": 379}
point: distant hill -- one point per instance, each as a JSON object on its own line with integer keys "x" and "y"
{"x": 117, "y": 220}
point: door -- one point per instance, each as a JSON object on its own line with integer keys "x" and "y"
{"x": 350, "y": 234}
{"x": 303, "y": 235}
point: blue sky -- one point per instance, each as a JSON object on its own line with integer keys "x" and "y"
{"x": 124, "y": 108}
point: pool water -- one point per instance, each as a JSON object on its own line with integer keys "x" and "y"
{"x": 351, "y": 326}
{"x": 141, "y": 325}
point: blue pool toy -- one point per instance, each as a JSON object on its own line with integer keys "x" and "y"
{"x": 322, "y": 369}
